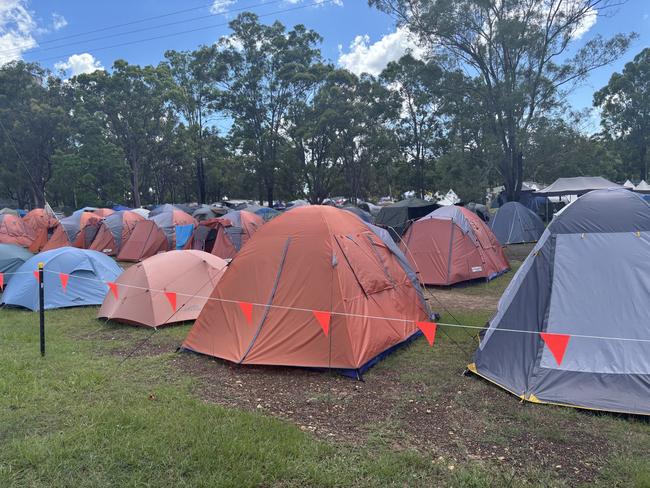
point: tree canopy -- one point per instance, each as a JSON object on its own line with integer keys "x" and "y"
{"x": 262, "y": 115}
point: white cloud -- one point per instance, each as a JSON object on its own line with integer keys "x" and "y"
{"x": 79, "y": 63}
{"x": 221, "y": 6}
{"x": 364, "y": 57}
{"x": 58, "y": 21}
{"x": 17, "y": 27}
{"x": 588, "y": 21}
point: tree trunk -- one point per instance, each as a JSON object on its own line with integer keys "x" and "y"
{"x": 644, "y": 164}
{"x": 269, "y": 193}
{"x": 135, "y": 183}
{"x": 200, "y": 176}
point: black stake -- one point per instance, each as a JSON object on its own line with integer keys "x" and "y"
{"x": 41, "y": 307}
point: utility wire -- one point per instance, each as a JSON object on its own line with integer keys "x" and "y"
{"x": 143, "y": 29}
{"x": 163, "y": 36}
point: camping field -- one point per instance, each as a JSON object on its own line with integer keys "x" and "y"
{"x": 112, "y": 405}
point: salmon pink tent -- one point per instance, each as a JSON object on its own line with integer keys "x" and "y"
{"x": 225, "y": 236}
{"x": 163, "y": 289}
{"x": 115, "y": 230}
{"x": 14, "y": 231}
{"x": 315, "y": 287}
{"x": 452, "y": 244}
{"x": 146, "y": 239}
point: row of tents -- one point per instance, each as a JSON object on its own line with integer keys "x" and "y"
{"x": 317, "y": 287}
{"x": 130, "y": 235}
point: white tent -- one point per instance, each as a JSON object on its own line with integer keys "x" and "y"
{"x": 451, "y": 198}
{"x": 628, "y": 184}
{"x": 642, "y": 187}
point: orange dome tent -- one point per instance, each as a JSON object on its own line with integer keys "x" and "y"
{"x": 14, "y": 231}
{"x": 224, "y": 236}
{"x": 163, "y": 289}
{"x": 312, "y": 259}
{"x": 452, "y": 244}
{"x": 146, "y": 239}
{"x": 114, "y": 231}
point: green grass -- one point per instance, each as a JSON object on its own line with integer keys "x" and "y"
{"x": 80, "y": 418}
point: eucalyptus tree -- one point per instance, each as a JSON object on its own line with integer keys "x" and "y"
{"x": 625, "y": 111}
{"x": 195, "y": 95}
{"x": 270, "y": 68}
{"x": 522, "y": 51}
{"x": 133, "y": 103}
{"x": 34, "y": 124}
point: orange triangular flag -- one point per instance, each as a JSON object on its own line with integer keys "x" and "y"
{"x": 2, "y": 281}
{"x": 113, "y": 287}
{"x": 557, "y": 344}
{"x": 36, "y": 276}
{"x": 247, "y": 309}
{"x": 324, "y": 320}
{"x": 171, "y": 297}
{"x": 429, "y": 330}
{"x": 64, "y": 280}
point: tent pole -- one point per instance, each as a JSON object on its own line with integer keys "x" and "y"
{"x": 41, "y": 307}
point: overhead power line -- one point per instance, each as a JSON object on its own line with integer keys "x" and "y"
{"x": 133, "y": 31}
{"x": 173, "y": 34}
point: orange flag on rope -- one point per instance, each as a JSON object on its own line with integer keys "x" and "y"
{"x": 113, "y": 287}
{"x": 323, "y": 319}
{"x": 247, "y": 310}
{"x": 37, "y": 277}
{"x": 64, "y": 280}
{"x": 429, "y": 330}
{"x": 2, "y": 281}
{"x": 171, "y": 297}
{"x": 557, "y": 344}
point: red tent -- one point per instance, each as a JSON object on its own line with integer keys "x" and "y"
{"x": 115, "y": 230}
{"x": 146, "y": 239}
{"x": 56, "y": 237}
{"x": 452, "y": 244}
{"x": 313, "y": 258}
{"x": 14, "y": 231}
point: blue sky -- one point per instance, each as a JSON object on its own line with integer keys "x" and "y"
{"x": 355, "y": 36}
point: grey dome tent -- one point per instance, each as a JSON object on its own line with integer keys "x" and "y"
{"x": 516, "y": 224}
{"x": 572, "y": 327}
{"x": 400, "y": 214}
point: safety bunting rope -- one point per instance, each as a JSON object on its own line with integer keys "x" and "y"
{"x": 556, "y": 343}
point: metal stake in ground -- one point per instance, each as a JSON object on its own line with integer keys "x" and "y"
{"x": 41, "y": 306}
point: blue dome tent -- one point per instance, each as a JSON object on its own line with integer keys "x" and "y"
{"x": 87, "y": 274}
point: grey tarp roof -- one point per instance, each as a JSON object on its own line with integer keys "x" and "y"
{"x": 576, "y": 186}
{"x": 515, "y": 224}
{"x": 588, "y": 277}
{"x": 399, "y": 214}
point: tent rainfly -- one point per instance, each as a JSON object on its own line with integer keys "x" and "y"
{"x": 585, "y": 345}
{"x": 291, "y": 261}
{"x": 516, "y": 224}
{"x": 578, "y": 185}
